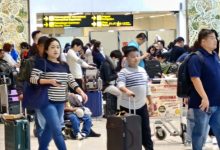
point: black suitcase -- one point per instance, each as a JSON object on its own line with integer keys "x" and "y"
{"x": 110, "y": 108}
{"x": 124, "y": 132}
{"x": 153, "y": 68}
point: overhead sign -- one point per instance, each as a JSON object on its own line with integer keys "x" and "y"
{"x": 87, "y": 21}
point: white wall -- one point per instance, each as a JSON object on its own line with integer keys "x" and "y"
{"x": 59, "y": 6}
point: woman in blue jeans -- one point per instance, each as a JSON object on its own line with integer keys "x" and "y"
{"x": 56, "y": 74}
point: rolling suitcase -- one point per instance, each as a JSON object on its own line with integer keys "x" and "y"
{"x": 124, "y": 132}
{"x": 94, "y": 102}
{"x": 17, "y": 133}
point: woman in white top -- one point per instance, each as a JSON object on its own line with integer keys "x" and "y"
{"x": 7, "y": 57}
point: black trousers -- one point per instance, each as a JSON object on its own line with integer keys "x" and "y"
{"x": 146, "y": 132}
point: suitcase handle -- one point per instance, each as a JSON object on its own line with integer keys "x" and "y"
{"x": 25, "y": 128}
{"x": 129, "y": 104}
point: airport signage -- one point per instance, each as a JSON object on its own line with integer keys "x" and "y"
{"x": 61, "y": 21}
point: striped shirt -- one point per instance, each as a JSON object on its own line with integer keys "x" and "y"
{"x": 135, "y": 79}
{"x": 58, "y": 71}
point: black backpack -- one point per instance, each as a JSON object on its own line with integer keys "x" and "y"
{"x": 153, "y": 68}
{"x": 184, "y": 84}
{"x": 25, "y": 69}
{"x": 6, "y": 68}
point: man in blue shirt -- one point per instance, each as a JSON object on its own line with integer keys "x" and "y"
{"x": 204, "y": 103}
{"x": 14, "y": 53}
{"x": 140, "y": 39}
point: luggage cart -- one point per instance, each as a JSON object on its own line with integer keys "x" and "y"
{"x": 4, "y": 82}
{"x": 168, "y": 107}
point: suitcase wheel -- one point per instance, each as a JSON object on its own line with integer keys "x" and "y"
{"x": 160, "y": 133}
{"x": 183, "y": 137}
{"x": 183, "y": 134}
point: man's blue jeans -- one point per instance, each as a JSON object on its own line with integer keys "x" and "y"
{"x": 39, "y": 122}
{"x": 52, "y": 114}
{"x": 199, "y": 124}
{"x": 75, "y": 121}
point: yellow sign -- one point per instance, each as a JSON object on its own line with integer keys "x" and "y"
{"x": 57, "y": 21}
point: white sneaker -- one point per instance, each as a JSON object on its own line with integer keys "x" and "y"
{"x": 214, "y": 141}
{"x": 79, "y": 136}
{"x": 83, "y": 135}
{"x": 188, "y": 145}
{"x": 209, "y": 139}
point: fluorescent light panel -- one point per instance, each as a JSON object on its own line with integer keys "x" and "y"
{"x": 160, "y": 15}
{"x": 74, "y": 14}
{"x": 139, "y": 18}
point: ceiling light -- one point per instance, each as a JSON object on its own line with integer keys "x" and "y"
{"x": 74, "y": 14}
{"x": 160, "y": 15}
{"x": 136, "y": 12}
{"x": 111, "y": 31}
{"x": 139, "y": 18}
{"x": 127, "y": 14}
{"x": 162, "y": 30}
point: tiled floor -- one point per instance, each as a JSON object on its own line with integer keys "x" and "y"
{"x": 170, "y": 143}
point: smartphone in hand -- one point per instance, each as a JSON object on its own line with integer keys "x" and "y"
{"x": 58, "y": 82}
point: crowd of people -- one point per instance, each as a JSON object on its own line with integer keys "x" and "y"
{"x": 124, "y": 75}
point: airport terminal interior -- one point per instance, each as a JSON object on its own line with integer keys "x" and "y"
{"x": 109, "y": 75}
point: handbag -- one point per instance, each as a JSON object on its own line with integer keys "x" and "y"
{"x": 35, "y": 96}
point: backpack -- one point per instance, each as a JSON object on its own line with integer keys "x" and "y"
{"x": 169, "y": 68}
{"x": 153, "y": 68}
{"x": 6, "y": 68}
{"x": 25, "y": 69}
{"x": 184, "y": 84}
{"x": 93, "y": 82}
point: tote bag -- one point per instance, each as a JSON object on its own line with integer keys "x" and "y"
{"x": 35, "y": 96}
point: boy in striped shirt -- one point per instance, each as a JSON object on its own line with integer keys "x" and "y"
{"x": 132, "y": 81}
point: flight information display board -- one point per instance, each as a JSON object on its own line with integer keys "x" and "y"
{"x": 60, "y": 21}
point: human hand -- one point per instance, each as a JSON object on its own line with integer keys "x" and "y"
{"x": 151, "y": 108}
{"x": 145, "y": 54}
{"x": 17, "y": 65}
{"x": 185, "y": 101}
{"x": 130, "y": 93}
{"x": 204, "y": 106}
{"x": 84, "y": 96}
{"x": 54, "y": 82}
{"x": 91, "y": 67}
{"x": 20, "y": 97}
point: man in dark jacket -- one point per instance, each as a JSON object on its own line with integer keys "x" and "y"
{"x": 177, "y": 49}
{"x": 35, "y": 36}
{"x": 109, "y": 75}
